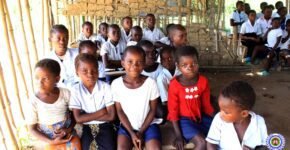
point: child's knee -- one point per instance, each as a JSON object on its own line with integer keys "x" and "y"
{"x": 153, "y": 144}
{"x": 199, "y": 141}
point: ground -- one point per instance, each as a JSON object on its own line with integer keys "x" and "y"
{"x": 273, "y": 98}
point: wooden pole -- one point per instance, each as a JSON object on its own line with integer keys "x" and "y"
{"x": 10, "y": 60}
{"x": 30, "y": 31}
{"x": 47, "y": 25}
{"x": 3, "y": 143}
{"x": 42, "y": 26}
{"x": 179, "y": 11}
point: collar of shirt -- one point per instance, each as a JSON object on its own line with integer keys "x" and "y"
{"x": 95, "y": 90}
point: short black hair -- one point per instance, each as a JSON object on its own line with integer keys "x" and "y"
{"x": 150, "y": 15}
{"x": 51, "y": 65}
{"x": 177, "y": 27}
{"x": 239, "y": 3}
{"x": 114, "y": 26}
{"x": 134, "y": 49}
{"x": 251, "y": 12}
{"x": 280, "y": 9}
{"x": 167, "y": 49}
{"x": 127, "y": 17}
{"x": 58, "y": 28}
{"x": 276, "y": 19}
{"x": 87, "y": 23}
{"x": 137, "y": 28}
{"x": 87, "y": 43}
{"x": 263, "y": 4}
{"x": 103, "y": 24}
{"x": 270, "y": 6}
{"x": 240, "y": 92}
{"x": 185, "y": 51}
{"x": 169, "y": 26}
{"x": 86, "y": 58}
{"x": 145, "y": 43}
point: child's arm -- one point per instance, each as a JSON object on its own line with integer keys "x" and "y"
{"x": 266, "y": 34}
{"x": 86, "y": 117}
{"x": 39, "y": 135}
{"x": 179, "y": 142}
{"x": 205, "y": 100}
{"x": 111, "y": 63}
{"x": 285, "y": 39}
{"x": 68, "y": 130}
{"x": 210, "y": 146}
{"x": 110, "y": 115}
{"x": 150, "y": 116}
{"x": 277, "y": 42}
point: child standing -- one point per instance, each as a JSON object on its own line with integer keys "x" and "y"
{"x": 151, "y": 32}
{"x": 262, "y": 6}
{"x": 270, "y": 49}
{"x": 89, "y": 47}
{"x": 49, "y": 119}
{"x": 136, "y": 96}
{"x": 113, "y": 49}
{"x": 265, "y": 20}
{"x": 152, "y": 68}
{"x": 285, "y": 43}
{"x": 136, "y": 36}
{"x": 189, "y": 107}
{"x": 63, "y": 55}
{"x": 238, "y": 16}
{"x": 236, "y": 126}
{"x": 92, "y": 105}
{"x": 87, "y": 32}
{"x": 102, "y": 37}
{"x": 127, "y": 24}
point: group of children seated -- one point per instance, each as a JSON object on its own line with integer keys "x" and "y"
{"x": 161, "y": 74}
{"x": 266, "y": 34}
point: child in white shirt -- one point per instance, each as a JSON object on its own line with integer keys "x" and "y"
{"x": 126, "y": 33}
{"x": 285, "y": 43}
{"x": 151, "y": 32}
{"x": 136, "y": 36}
{"x": 239, "y": 16}
{"x": 102, "y": 36}
{"x": 92, "y": 105}
{"x": 236, "y": 126}
{"x": 63, "y": 55}
{"x": 136, "y": 102}
{"x": 87, "y": 32}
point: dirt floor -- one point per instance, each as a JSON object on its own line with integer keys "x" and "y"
{"x": 273, "y": 99}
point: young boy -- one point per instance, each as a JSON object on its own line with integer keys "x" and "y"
{"x": 87, "y": 32}
{"x": 236, "y": 127}
{"x": 151, "y": 32}
{"x": 165, "y": 40}
{"x": 63, "y": 55}
{"x": 250, "y": 35}
{"x": 113, "y": 49}
{"x": 238, "y": 16}
{"x": 136, "y": 36}
{"x": 268, "y": 51}
{"x": 285, "y": 43}
{"x": 262, "y": 6}
{"x": 127, "y": 23}
{"x": 102, "y": 37}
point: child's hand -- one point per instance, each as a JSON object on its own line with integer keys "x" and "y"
{"x": 60, "y": 140}
{"x": 179, "y": 143}
{"x": 136, "y": 141}
{"x": 59, "y": 134}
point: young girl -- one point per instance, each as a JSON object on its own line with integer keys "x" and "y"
{"x": 63, "y": 55}
{"x": 127, "y": 24}
{"x": 102, "y": 36}
{"x": 49, "y": 119}
{"x": 236, "y": 126}
{"x": 189, "y": 107}
{"x": 92, "y": 105}
{"x": 151, "y": 32}
{"x": 152, "y": 68}
{"x": 135, "y": 97}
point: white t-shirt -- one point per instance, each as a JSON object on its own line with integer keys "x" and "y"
{"x": 82, "y": 37}
{"x": 81, "y": 98}
{"x": 68, "y": 75}
{"x": 239, "y": 17}
{"x": 113, "y": 52}
{"x": 100, "y": 38}
{"x": 272, "y": 37}
{"x": 284, "y": 45}
{"x": 48, "y": 114}
{"x": 264, "y": 24}
{"x": 225, "y": 136}
{"x": 163, "y": 81}
{"x": 153, "y": 74}
{"x": 124, "y": 36}
{"x": 247, "y": 27}
{"x": 101, "y": 69}
{"x": 131, "y": 43}
{"x": 135, "y": 102}
{"x": 165, "y": 40}
{"x": 154, "y": 35}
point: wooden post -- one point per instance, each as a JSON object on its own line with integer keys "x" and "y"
{"x": 47, "y": 25}
{"x": 2, "y": 140}
{"x": 179, "y": 11}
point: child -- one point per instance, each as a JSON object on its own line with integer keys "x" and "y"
{"x": 268, "y": 51}
{"x": 266, "y": 20}
{"x": 236, "y": 126}
{"x": 151, "y": 32}
{"x": 247, "y": 8}
{"x": 126, "y": 28}
{"x": 250, "y": 35}
{"x": 238, "y": 16}
{"x": 189, "y": 107}
{"x": 178, "y": 36}
{"x": 262, "y": 6}
{"x": 168, "y": 72}
{"x": 89, "y": 47}
{"x": 135, "y": 97}
{"x": 63, "y": 55}
{"x": 278, "y": 5}
{"x": 49, "y": 118}
{"x": 136, "y": 36}
{"x": 87, "y": 32}
{"x": 282, "y": 12}
{"x": 113, "y": 49}
{"x": 285, "y": 43}
{"x": 152, "y": 68}
{"x": 102, "y": 37}
{"x": 92, "y": 105}
{"x": 165, "y": 40}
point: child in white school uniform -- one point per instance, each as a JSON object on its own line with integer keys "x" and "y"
{"x": 151, "y": 32}
{"x": 63, "y": 55}
{"x": 113, "y": 49}
{"x": 127, "y": 24}
{"x": 236, "y": 126}
{"x": 49, "y": 118}
{"x": 152, "y": 68}
{"x": 92, "y": 105}
{"x": 136, "y": 36}
{"x": 285, "y": 43}
{"x": 102, "y": 36}
{"x": 265, "y": 21}
{"x": 136, "y": 102}
{"x": 87, "y": 32}
{"x": 238, "y": 16}
{"x": 262, "y": 6}
{"x": 165, "y": 40}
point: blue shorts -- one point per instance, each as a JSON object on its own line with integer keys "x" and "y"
{"x": 190, "y": 128}
{"x": 152, "y": 132}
